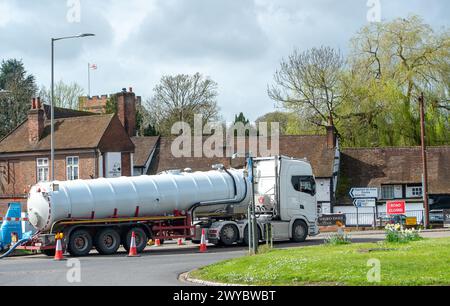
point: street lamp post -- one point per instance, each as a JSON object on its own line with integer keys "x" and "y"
{"x": 52, "y": 104}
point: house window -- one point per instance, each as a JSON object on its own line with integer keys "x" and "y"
{"x": 72, "y": 168}
{"x": 387, "y": 192}
{"x": 416, "y": 191}
{"x": 42, "y": 169}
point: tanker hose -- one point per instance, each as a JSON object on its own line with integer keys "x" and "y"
{"x": 11, "y": 249}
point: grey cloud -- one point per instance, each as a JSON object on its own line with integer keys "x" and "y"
{"x": 239, "y": 43}
{"x": 41, "y": 20}
{"x": 203, "y": 28}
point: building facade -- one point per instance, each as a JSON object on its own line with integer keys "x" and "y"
{"x": 87, "y": 146}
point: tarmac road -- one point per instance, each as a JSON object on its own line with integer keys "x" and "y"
{"x": 157, "y": 266}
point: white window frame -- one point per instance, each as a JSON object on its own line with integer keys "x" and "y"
{"x": 384, "y": 191}
{"x": 42, "y": 164}
{"x": 71, "y": 167}
{"x": 416, "y": 191}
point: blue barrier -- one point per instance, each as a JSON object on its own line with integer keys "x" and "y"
{"x": 9, "y": 227}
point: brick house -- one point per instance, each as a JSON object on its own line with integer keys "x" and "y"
{"x": 397, "y": 173}
{"x": 145, "y": 148}
{"x": 87, "y": 146}
{"x": 321, "y": 151}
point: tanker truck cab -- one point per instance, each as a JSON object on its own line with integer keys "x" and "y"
{"x": 285, "y": 201}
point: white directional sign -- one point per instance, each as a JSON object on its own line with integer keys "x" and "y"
{"x": 364, "y": 193}
{"x": 364, "y": 202}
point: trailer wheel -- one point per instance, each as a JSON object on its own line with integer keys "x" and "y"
{"x": 80, "y": 243}
{"x": 107, "y": 241}
{"x": 245, "y": 241}
{"x": 141, "y": 239}
{"x": 299, "y": 231}
{"x": 228, "y": 234}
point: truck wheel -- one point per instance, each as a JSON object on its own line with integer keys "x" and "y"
{"x": 228, "y": 234}
{"x": 245, "y": 241}
{"x": 107, "y": 241}
{"x": 141, "y": 239}
{"x": 299, "y": 231}
{"x": 80, "y": 243}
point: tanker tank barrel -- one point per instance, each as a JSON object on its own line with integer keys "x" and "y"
{"x": 155, "y": 195}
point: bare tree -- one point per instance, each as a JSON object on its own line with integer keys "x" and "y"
{"x": 309, "y": 83}
{"x": 179, "y": 98}
{"x": 66, "y": 95}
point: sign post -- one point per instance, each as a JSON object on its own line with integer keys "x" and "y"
{"x": 364, "y": 197}
{"x": 364, "y": 193}
{"x": 364, "y": 202}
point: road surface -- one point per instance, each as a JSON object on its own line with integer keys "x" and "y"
{"x": 157, "y": 266}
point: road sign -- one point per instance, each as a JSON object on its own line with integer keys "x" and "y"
{"x": 446, "y": 213}
{"x": 364, "y": 202}
{"x": 331, "y": 219}
{"x": 395, "y": 207}
{"x": 411, "y": 221}
{"x": 364, "y": 193}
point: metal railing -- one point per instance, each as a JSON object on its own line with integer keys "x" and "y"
{"x": 377, "y": 219}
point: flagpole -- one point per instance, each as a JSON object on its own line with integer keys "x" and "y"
{"x": 89, "y": 80}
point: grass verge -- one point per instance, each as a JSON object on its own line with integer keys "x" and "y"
{"x": 425, "y": 262}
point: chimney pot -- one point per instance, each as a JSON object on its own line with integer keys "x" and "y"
{"x": 331, "y": 137}
{"x": 131, "y": 89}
{"x": 35, "y": 121}
{"x": 126, "y": 111}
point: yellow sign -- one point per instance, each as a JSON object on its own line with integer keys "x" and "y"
{"x": 411, "y": 221}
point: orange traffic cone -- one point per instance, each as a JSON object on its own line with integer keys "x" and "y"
{"x": 180, "y": 241}
{"x": 203, "y": 248}
{"x": 59, "y": 252}
{"x": 133, "y": 250}
{"x": 157, "y": 242}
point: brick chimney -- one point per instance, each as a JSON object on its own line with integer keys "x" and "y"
{"x": 126, "y": 110}
{"x": 331, "y": 134}
{"x": 35, "y": 121}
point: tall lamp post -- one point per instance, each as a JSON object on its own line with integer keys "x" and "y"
{"x": 52, "y": 104}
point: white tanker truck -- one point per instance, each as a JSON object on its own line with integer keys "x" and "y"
{"x": 102, "y": 213}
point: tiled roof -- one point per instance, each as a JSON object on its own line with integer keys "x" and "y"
{"x": 377, "y": 166}
{"x": 144, "y": 146}
{"x": 70, "y": 133}
{"x": 313, "y": 148}
{"x": 64, "y": 112}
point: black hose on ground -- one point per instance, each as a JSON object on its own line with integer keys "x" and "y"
{"x": 11, "y": 249}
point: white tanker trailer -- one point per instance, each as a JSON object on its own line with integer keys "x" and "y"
{"x": 102, "y": 213}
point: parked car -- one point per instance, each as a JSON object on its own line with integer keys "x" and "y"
{"x": 440, "y": 204}
{"x": 437, "y": 216}
{"x": 397, "y": 219}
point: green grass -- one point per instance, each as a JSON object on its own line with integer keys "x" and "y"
{"x": 425, "y": 262}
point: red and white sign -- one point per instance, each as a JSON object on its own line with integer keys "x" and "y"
{"x": 395, "y": 207}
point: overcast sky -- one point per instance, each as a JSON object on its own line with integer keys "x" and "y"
{"x": 238, "y": 43}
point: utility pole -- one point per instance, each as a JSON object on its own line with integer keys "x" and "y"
{"x": 252, "y": 223}
{"x": 424, "y": 163}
